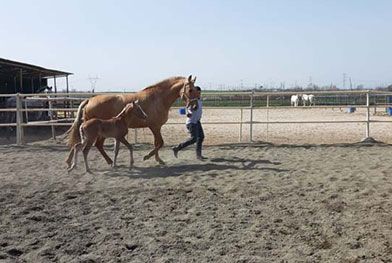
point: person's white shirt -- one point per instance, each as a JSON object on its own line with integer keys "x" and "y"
{"x": 195, "y": 113}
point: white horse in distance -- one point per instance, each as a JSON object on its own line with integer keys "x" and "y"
{"x": 308, "y": 100}
{"x": 295, "y": 100}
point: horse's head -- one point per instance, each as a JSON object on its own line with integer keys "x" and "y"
{"x": 188, "y": 91}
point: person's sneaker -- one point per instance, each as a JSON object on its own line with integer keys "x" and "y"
{"x": 175, "y": 152}
{"x": 201, "y": 158}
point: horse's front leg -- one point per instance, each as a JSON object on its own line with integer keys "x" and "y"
{"x": 99, "y": 144}
{"x": 158, "y": 143}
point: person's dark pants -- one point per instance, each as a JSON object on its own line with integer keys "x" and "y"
{"x": 197, "y": 136}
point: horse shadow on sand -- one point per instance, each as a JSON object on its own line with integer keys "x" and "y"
{"x": 213, "y": 165}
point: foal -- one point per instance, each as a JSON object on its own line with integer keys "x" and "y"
{"x": 116, "y": 127}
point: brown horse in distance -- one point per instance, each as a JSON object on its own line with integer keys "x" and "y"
{"x": 155, "y": 100}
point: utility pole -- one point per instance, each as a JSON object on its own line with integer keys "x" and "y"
{"x": 93, "y": 83}
{"x": 344, "y": 80}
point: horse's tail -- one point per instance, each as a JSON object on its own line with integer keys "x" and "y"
{"x": 73, "y": 132}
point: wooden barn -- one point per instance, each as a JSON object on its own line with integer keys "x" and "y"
{"x": 18, "y": 77}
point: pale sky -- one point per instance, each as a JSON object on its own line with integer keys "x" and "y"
{"x": 132, "y": 44}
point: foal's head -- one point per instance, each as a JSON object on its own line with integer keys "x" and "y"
{"x": 134, "y": 109}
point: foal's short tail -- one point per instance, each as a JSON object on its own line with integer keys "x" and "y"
{"x": 73, "y": 132}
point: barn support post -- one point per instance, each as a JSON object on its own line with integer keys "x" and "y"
{"x": 241, "y": 119}
{"x": 15, "y": 87}
{"x": 251, "y": 118}
{"x": 67, "y": 114}
{"x": 66, "y": 80}
{"x": 21, "y": 80}
{"x": 32, "y": 85}
{"x": 55, "y": 84}
{"x": 19, "y": 121}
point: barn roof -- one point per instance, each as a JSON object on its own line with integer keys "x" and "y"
{"x": 9, "y": 67}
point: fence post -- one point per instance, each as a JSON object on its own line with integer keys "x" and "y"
{"x": 267, "y": 116}
{"x": 251, "y": 118}
{"x": 367, "y": 115}
{"x": 72, "y": 112}
{"x": 51, "y": 118}
{"x": 19, "y": 120}
{"x": 241, "y": 119}
{"x": 135, "y": 136}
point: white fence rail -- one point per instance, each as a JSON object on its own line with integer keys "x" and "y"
{"x": 69, "y": 100}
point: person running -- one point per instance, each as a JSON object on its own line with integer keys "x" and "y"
{"x": 195, "y": 129}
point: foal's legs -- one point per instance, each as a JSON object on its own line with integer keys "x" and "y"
{"x": 86, "y": 149}
{"x": 99, "y": 144}
{"x": 116, "y": 149}
{"x": 130, "y": 148}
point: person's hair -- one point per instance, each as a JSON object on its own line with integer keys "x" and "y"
{"x": 198, "y": 88}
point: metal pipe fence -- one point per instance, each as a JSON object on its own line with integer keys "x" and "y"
{"x": 242, "y": 101}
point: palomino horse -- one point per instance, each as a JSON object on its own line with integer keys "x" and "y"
{"x": 155, "y": 100}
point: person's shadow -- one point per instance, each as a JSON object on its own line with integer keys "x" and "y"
{"x": 215, "y": 164}
{"x": 246, "y": 163}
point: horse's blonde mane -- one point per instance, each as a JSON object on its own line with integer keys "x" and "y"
{"x": 166, "y": 83}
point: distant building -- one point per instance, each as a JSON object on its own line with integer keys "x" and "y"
{"x": 18, "y": 77}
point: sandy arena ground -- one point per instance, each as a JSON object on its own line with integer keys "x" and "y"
{"x": 258, "y": 203}
{"x": 247, "y": 203}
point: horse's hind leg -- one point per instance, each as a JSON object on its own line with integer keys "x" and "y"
{"x": 75, "y": 151}
{"x": 99, "y": 144}
{"x": 69, "y": 158}
{"x": 130, "y": 148}
{"x": 116, "y": 149}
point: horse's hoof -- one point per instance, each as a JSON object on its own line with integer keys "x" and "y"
{"x": 146, "y": 157}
